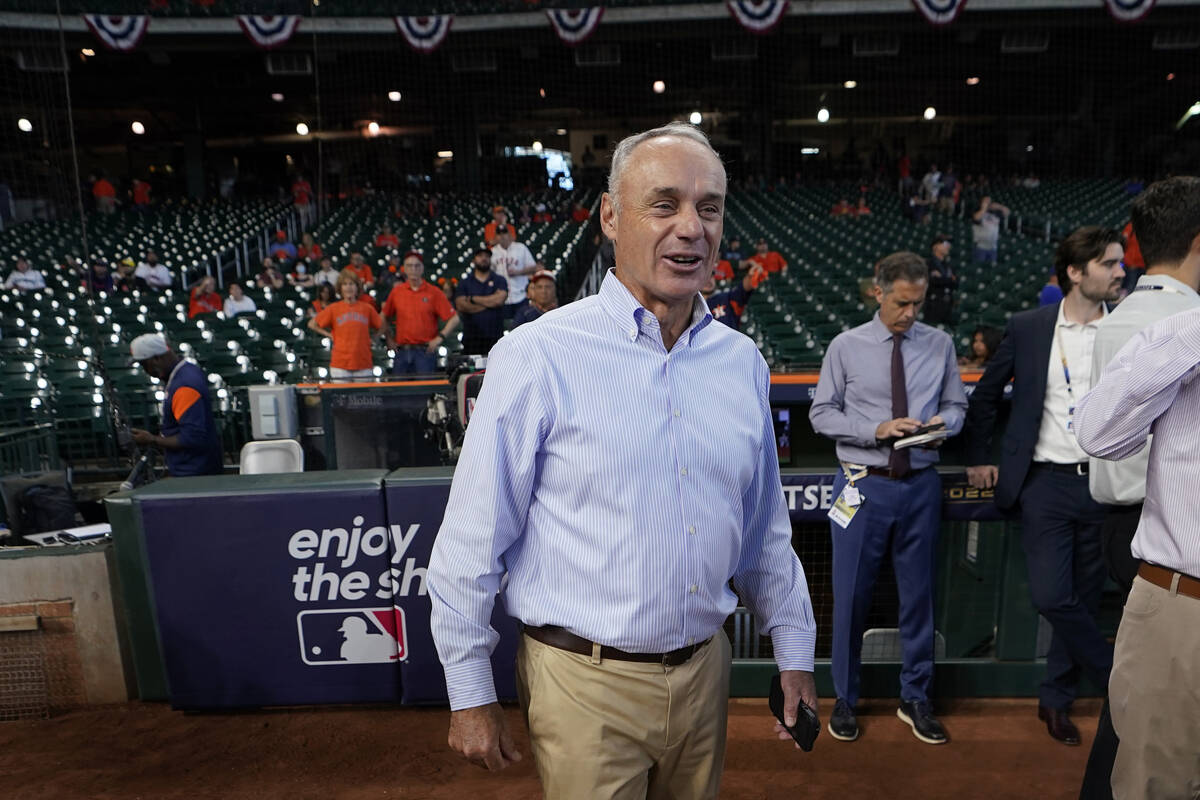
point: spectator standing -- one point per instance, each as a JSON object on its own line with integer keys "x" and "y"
{"x": 189, "y": 440}
{"x": 302, "y": 202}
{"x": 349, "y": 323}
{"x": 931, "y": 184}
{"x": 203, "y": 298}
{"x": 880, "y": 382}
{"x": 733, "y": 254}
{"x": 904, "y": 169}
{"x": 24, "y": 278}
{"x": 513, "y": 262}
{"x": 1043, "y": 472}
{"x": 309, "y": 250}
{"x": 479, "y": 299}
{"x": 542, "y": 293}
{"x": 151, "y": 274}
{"x": 939, "y": 305}
{"x": 985, "y": 229}
{"x": 105, "y": 195}
{"x": 237, "y": 302}
{"x": 415, "y": 307}
{"x": 949, "y": 191}
{"x": 141, "y": 195}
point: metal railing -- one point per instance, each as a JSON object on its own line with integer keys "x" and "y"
{"x": 33, "y": 448}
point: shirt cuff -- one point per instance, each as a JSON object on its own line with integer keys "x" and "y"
{"x": 866, "y": 435}
{"x": 470, "y": 684}
{"x": 794, "y": 648}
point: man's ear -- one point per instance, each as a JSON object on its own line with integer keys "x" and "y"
{"x": 608, "y": 216}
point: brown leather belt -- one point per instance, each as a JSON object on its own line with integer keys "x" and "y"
{"x": 1163, "y": 577}
{"x": 563, "y": 639}
{"x": 891, "y": 475}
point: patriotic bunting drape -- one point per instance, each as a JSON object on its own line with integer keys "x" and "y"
{"x": 270, "y": 31}
{"x": 424, "y": 34}
{"x": 575, "y": 25}
{"x": 118, "y": 33}
{"x": 758, "y": 16}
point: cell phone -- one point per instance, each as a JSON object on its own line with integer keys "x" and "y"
{"x": 937, "y": 426}
{"x": 807, "y": 725}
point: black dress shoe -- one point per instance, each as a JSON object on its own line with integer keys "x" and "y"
{"x": 1059, "y": 724}
{"x": 924, "y": 724}
{"x": 843, "y": 725}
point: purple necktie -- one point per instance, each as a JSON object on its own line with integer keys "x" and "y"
{"x": 898, "y": 460}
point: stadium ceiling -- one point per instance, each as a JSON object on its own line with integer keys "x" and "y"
{"x": 1036, "y": 66}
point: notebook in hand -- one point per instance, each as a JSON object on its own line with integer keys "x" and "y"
{"x": 922, "y": 437}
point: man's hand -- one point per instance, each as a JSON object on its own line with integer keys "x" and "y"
{"x": 434, "y": 344}
{"x": 797, "y": 687}
{"x": 983, "y": 477}
{"x": 895, "y": 428}
{"x": 480, "y": 735}
{"x": 141, "y": 437}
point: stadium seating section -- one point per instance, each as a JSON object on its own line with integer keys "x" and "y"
{"x": 55, "y": 349}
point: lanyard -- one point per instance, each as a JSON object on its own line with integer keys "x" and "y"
{"x": 1159, "y": 288}
{"x": 859, "y": 472}
{"x": 1062, "y": 354}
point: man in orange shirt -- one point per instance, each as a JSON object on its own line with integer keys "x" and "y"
{"x": 499, "y": 217}
{"x": 414, "y": 308}
{"x": 768, "y": 259}
{"x": 105, "y": 194}
{"x": 349, "y": 323}
{"x": 362, "y": 270}
{"x": 386, "y": 238}
{"x": 141, "y": 195}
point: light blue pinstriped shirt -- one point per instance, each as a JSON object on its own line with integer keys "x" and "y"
{"x": 621, "y": 487}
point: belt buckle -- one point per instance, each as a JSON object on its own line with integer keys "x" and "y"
{"x": 1081, "y": 468}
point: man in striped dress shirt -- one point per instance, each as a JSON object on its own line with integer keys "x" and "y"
{"x": 595, "y": 476}
{"x": 1151, "y": 387}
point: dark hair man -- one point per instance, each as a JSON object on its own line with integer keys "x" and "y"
{"x": 1043, "y": 472}
{"x": 1166, "y": 219}
{"x": 880, "y": 382}
{"x": 479, "y": 299}
{"x": 620, "y": 522}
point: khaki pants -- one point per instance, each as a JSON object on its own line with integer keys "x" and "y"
{"x": 1154, "y": 693}
{"x": 622, "y": 729}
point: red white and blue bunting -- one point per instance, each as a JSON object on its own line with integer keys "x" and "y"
{"x": 424, "y": 34}
{"x": 940, "y": 12}
{"x": 1128, "y": 10}
{"x": 270, "y": 31}
{"x": 758, "y": 16}
{"x": 575, "y": 25}
{"x": 118, "y": 33}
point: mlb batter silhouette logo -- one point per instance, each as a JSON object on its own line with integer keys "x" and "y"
{"x": 352, "y": 636}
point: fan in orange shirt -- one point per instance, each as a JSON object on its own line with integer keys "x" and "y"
{"x": 499, "y": 217}
{"x": 204, "y": 298}
{"x": 348, "y": 323}
{"x": 361, "y": 270}
{"x": 767, "y": 258}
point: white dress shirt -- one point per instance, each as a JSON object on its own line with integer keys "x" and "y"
{"x": 1151, "y": 387}
{"x": 1155, "y": 298}
{"x": 1056, "y": 444}
{"x": 507, "y": 261}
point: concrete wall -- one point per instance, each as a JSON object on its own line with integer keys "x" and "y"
{"x": 44, "y": 581}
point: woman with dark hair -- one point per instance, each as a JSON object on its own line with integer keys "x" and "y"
{"x": 326, "y": 294}
{"x": 984, "y": 343}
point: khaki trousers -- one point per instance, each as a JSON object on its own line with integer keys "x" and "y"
{"x": 1154, "y": 694}
{"x": 623, "y": 729}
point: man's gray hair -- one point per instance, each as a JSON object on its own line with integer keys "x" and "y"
{"x": 901, "y": 266}
{"x": 627, "y": 145}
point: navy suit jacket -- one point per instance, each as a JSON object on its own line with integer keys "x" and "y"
{"x": 1024, "y": 358}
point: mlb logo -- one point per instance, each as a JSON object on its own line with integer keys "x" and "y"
{"x": 352, "y": 636}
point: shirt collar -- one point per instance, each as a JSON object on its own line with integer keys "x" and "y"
{"x": 1169, "y": 282}
{"x": 1062, "y": 321}
{"x": 633, "y": 318}
{"x": 880, "y": 332}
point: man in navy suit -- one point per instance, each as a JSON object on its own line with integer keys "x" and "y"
{"x": 1043, "y": 472}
